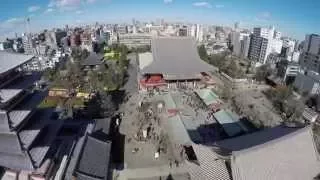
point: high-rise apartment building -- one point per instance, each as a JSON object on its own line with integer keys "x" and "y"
{"x": 263, "y": 42}
{"x": 59, "y": 35}
{"x": 199, "y": 34}
{"x": 27, "y": 42}
{"x": 310, "y": 57}
{"x": 183, "y": 31}
{"x": 196, "y": 30}
{"x": 240, "y": 42}
{"x": 288, "y": 49}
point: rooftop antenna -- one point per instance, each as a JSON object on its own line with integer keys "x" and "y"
{"x": 28, "y": 25}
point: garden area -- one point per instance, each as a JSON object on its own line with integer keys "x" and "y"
{"x": 232, "y": 66}
{"x": 73, "y": 78}
{"x": 109, "y": 76}
{"x": 285, "y": 103}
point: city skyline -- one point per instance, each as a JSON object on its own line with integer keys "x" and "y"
{"x": 57, "y": 13}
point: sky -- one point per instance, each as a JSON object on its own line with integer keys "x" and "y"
{"x": 293, "y": 18}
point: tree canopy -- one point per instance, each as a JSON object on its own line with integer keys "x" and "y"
{"x": 203, "y": 52}
{"x": 262, "y": 72}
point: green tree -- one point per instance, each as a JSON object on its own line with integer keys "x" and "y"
{"x": 123, "y": 61}
{"x": 74, "y": 76}
{"x": 217, "y": 60}
{"x": 232, "y": 69}
{"x": 226, "y": 93}
{"x": 203, "y": 52}
{"x": 280, "y": 95}
{"x": 262, "y": 72}
{"x": 294, "y": 110}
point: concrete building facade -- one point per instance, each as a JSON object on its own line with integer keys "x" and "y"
{"x": 308, "y": 82}
{"x": 240, "y": 42}
{"x": 263, "y": 42}
{"x": 135, "y": 40}
{"x": 310, "y": 57}
{"x": 196, "y": 31}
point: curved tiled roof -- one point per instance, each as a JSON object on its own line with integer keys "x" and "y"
{"x": 211, "y": 167}
{"x": 94, "y": 160}
{"x": 9, "y": 61}
{"x": 176, "y": 56}
{"x": 292, "y": 156}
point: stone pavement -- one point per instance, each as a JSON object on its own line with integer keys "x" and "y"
{"x": 150, "y": 172}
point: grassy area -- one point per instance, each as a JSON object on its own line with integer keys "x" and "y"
{"x": 112, "y": 55}
{"x": 79, "y": 102}
{"x": 49, "y": 102}
{"x": 52, "y": 102}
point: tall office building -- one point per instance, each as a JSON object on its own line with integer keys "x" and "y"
{"x": 196, "y": 30}
{"x": 236, "y": 26}
{"x": 199, "y": 34}
{"x": 307, "y": 80}
{"x": 192, "y": 31}
{"x": 59, "y": 35}
{"x": 288, "y": 48}
{"x": 183, "y": 31}
{"x": 263, "y": 42}
{"x": 310, "y": 57}
{"x": 240, "y": 42}
{"x": 27, "y": 44}
{"x": 277, "y": 35}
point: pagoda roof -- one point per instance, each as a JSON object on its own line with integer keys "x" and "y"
{"x": 10, "y": 61}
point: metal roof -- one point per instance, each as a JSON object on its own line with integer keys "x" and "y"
{"x": 292, "y": 156}
{"x": 17, "y": 162}
{"x": 10, "y": 61}
{"x": 254, "y": 139}
{"x": 229, "y": 122}
{"x": 211, "y": 166}
{"x": 178, "y": 132}
{"x": 93, "y": 59}
{"x": 145, "y": 59}
{"x": 17, "y": 116}
{"x": 103, "y": 125}
{"x": 207, "y": 96}
{"x": 86, "y": 177}
{"x": 7, "y": 94}
{"x": 95, "y": 157}
{"x": 176, "y": 55}
{"x": 9, "y": 144}
{"x": 169, "y": 102}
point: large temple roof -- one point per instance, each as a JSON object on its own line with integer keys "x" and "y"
{"x": 9, "y": 61}
{"x": 176, "y": 56}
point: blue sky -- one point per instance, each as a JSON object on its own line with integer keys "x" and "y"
{"x": 292, "y": 17}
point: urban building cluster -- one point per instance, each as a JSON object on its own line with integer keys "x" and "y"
{"x": 178, "y": 116}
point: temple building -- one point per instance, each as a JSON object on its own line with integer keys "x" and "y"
{"x": 174, "y": 63}
{"x": 27, "y": 133}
